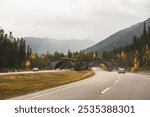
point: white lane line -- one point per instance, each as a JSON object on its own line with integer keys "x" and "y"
{"x": 117, "y": 75}
{"x": 139, "y": 75}
{"x": 40, "y": 95}
{"x": 57, "y": 90}
{"x": 116, "y": 81}
{"x": 105, "y": 90}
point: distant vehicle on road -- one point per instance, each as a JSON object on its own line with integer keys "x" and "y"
{"x": 95, "y": 68}
{"x": 35, "y": 69}
{"x": 121, "y": 70}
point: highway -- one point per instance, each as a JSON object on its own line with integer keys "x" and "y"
{"x": 103, "y": 86}
{"x": 30, "y": 72}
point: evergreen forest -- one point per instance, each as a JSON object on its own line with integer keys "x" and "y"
{"x": 135, "y": 56}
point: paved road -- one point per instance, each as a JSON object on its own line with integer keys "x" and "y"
{"x": 104, "y": 85}
{"x": 31, "y": 72}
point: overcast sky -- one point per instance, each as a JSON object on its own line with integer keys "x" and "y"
{"x": 71, "y": 19}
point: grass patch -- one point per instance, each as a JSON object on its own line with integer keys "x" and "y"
{"x": 20, "y": 84}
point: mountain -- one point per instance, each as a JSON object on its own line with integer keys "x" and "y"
{"x": 42, "y": 45}
{"x": 119, "y": 39}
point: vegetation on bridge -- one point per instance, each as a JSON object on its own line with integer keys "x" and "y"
{"x": 15, "y": 55}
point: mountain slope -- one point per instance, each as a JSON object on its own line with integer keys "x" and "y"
{"x": 118, "y": 39}
{"x": 42, "y": 45}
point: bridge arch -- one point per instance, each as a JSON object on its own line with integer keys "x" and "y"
{"x": 108, "y": 64}
{"x": 64, "y": 63}
{"x": 67, "y": 63}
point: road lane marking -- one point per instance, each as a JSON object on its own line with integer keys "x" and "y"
{"x": 116, "y": 81}
{"x": 57, "y": 90}
{"x": 140, "y": 75}
{"x": 40, "y": 95}
{"x": 105, "y": 90}
{"x": 117, "y": 75}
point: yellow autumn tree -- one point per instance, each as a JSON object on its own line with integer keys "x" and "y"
{"x": 118, "y": 55}
{"x": 146, "y": 57}
{"x": 123, "y": 55}
{"x": 103, "y": 66}
{"x": 94, "y": 55}
{"x": 27, "y": 63}
{"x": 135, "y": 62}
{"x": 42, "y": 56}
{"x": 33, "y": 56}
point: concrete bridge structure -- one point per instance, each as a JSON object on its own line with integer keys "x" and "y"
{"x": 70, "y": 63}
{"x": 63, "y": 62}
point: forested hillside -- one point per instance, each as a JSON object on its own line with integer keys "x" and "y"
{"x": 135, "y": 56}
{"x": 118, "y": 39}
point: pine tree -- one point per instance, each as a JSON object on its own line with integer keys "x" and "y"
{"x": 135, "y": 62}
{"x": 146, "y": 57}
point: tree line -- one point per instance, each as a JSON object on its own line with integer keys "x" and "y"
{"x": 82, "y": 55}
{"x": 43, "y": 61}
{"x": 134, "y": 56}
{"x": 12, "y": 52}
{"x": 15, "y": 54}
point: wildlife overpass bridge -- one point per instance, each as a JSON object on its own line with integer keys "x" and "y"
{"x": 70, "y": 63}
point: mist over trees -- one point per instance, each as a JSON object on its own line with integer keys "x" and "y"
{"x": 135, "y": 56}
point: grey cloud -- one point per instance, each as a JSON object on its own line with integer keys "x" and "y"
{"x": 95, "y": 19}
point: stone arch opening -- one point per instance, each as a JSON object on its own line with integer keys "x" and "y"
{"x": 97, "y": 64}
{"x": 64, "y": 65}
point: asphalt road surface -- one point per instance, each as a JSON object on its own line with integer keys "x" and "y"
{"x": 30, "y": 72}
{"x": 104, "y": 85}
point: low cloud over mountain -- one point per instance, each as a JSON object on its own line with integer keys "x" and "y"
{"x": 42, "y": 45}
{"x": 119, "y": 39}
